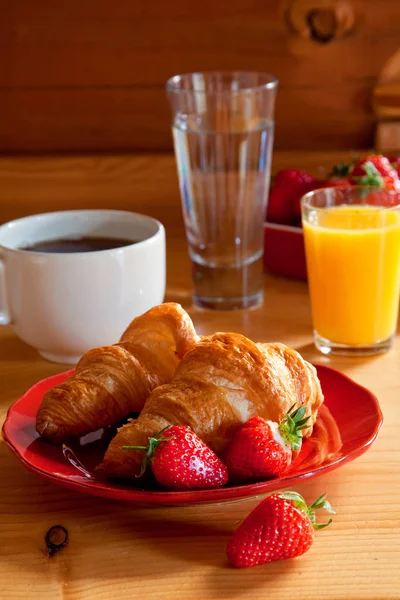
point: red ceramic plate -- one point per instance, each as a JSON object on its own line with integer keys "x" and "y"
{"x": 347, "y": 425}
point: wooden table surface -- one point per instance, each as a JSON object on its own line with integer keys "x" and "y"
{"x": 120, "y": 551}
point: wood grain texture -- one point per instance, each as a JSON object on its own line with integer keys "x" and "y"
{"x": 145, "y": 183}
{"x": 89, "y": 76}
{"x": 118, "y": 551}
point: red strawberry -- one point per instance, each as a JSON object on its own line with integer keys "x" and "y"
{"x": 296, "y": 207}
{"x": 338, "y": 182}
{"x": 262, "y": 448}
{"x": 182, "y": 461}
{"x": 375, "y": 170}
{"x": 395, "y": 162}
{"x": 281, "y": 526}
{"x": 289, "y": 186}
{"x": 321, "y": 183}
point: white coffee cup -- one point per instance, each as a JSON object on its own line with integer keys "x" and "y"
{"x": 65, "y": 304}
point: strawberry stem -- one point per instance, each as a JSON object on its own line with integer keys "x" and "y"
{"x": 320, "y": 502}
{"x": 291, "y": 426}
{"x": 341, "y": 170}
{"x": 372, "y": 176}
{"x": 154, "y": 442}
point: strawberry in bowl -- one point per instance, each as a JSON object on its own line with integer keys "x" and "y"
{"x": 284, "y": 253}
{"x": 375, "y": 171}
{"x": 284, "y": 198}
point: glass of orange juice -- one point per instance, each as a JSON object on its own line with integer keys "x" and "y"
{"x": 352, "y": 242}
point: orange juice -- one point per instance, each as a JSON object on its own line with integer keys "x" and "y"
{"x": 353, "y": 264}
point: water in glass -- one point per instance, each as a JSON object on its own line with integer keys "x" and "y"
{"x": 224, "y": 181}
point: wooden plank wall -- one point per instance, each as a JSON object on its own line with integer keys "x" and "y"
{"x": 88, "y": 75}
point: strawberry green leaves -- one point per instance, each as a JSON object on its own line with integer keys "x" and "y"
{"x": 292, "y": 425}
{"x": 154, "y": 442}
{"x": 320, "y": 502}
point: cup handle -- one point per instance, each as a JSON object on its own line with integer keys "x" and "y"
{"x": 4, "y": 314}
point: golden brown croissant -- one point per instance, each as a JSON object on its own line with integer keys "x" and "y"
{"x": 221, "y": 382}
{"x": 112, "y": 381}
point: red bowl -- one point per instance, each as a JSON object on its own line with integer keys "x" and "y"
{"x": 284, "y": 252}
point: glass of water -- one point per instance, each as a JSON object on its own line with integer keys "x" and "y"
{"x": 223, "y": 126}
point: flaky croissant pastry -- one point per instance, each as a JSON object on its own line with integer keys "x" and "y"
{"x": 221, "y": 382}
{"x": 112, "y": 381}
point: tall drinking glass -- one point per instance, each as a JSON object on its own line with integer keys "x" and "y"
{"x": 223, "y": 133}
{"x": 352, "y": 240}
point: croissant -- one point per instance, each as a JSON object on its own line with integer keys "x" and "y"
{"x": 112, "y": 381}
{"x": 221, "y": 382}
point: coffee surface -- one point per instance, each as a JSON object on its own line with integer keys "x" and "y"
{"x": 84, "y": 244}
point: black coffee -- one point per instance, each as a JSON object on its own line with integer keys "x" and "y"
{"x": 84, "y": 244}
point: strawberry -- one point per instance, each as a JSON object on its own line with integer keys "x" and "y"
{"x": 344, "y": 182}
{"x": 323, "y": 183}
{"x": 281, "y": 526}
{"x": 289, "y": 186}
{"x": 319, "y": 184}
{"x": 182, "y": 461}
{"x": 296, "y": 206}
{"x": 375, "y": 170}
{"x": 395, "y": 162}
{"x": 262, "y": 448}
